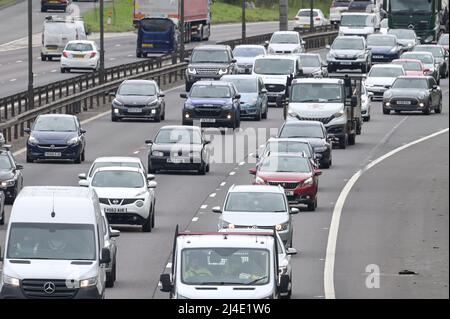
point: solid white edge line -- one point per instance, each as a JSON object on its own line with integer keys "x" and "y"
{"x": 334, "y": 227}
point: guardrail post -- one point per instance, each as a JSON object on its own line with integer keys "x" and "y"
{"x": 5, "y": 109}
{"x": 9, "y": 134}
{"x": 91, "y": 102}
{"x": 19, "y": 102}
{"x": 13, "y": 107}
{"x": 60, "y": 89}
{"x": 16, "y": 131}
{"x": 21, "y": 129}
{"x": 53, "y": 92}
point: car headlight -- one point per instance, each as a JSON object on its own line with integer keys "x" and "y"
{"x": 139, "y": 203}
{"x": 225, "y": 224}
{"x": 157, "y": 153}
{"x": 259, "y": 181}
{"x": 89, "y": 282}
{"x": 117, "y": 103}
{"x": 281, "y": 227}
{"x": 153, "y": 103}
{"x": 331, "y": 55}
{"x": 320, "y": 149}
{"x": 33, "y": 140}
{"x": 339, "y": 114}
{"x": 361, "y": 56}
{"x": 8, "y": 183}
{"x": 11, "y": 281}
{"x": 308, "y": 182}
{"x": 192, "y": 71}
{"x": 223, "y": 71}
{"x": 73, "y": 140}
{"x": 387, "y": 95}
{"x": 227, "y": 106}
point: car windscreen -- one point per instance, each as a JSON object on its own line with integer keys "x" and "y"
{"x": 79, "y": 46}
{"x": 302, "y": 131}
{"x": 139, "y": 89}
{"x": 223, "y": 266}
{"x": 410, "y": 83}
{"x": 287, "y": 38}
{"x": 285, "y": 164}
{"x": 243, "y": 85}
{"x": 424, "y": 58}
{"x": 443, "y": 40}
{"x": 255, "y": 202}
{"x": 360, "y": 6}
{"x": 385, "y": 72}
{"x": 356, "y": 21}
{"x": 211, "y": 56}
{"x": 52, "y": 241}
{"x": 156, "y": 25}
{"x": 410, "y": 6}
{"x": 310, "y": 61}
{"x": 384, "y": 23}
{"x": 5, "y": 162}
{"x": 410, "y": 65}
{"x": 178, "y": 136}
{"x": 274, "y": 66}
{"x": 55, "y": 124}
{"x": 316, "y": 92}
{"x": 406, "y": 34}
{"x": 383, "y": 41}
{"x": 112, "y": 164}
{"x": 210, "y": 91}
{"x": 61, "y": 28}
{"x": 348, "y": 44}
{"x": 340, "y": 3}
{"x": 435, "y": 50}
{"x": 247, "y": 52}
{"x": 288, "y": 147}
{"x": 307, "y": 13}
{"x": 118, "y": 179}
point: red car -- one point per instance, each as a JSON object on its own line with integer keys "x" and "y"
{"x": 412, "y": 67}
{"x": 295, "y": 174}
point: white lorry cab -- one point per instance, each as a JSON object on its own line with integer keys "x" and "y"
{"x": 225, "y": 265}
{"x": 55, "y": 245}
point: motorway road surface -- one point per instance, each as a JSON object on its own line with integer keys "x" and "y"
{"x": 395, "y": 217}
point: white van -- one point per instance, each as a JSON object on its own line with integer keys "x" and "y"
{"x": 55, "y": 245}
{"x": 57, "y": 32}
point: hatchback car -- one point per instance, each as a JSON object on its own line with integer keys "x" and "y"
{"x": 285, "y": 42}
{"x": 294, "y": 173}
{"x": 303, "y": 19}
{"x": 11, "y": 177}
{"x": 138, "y": 99}
{"x": 80, "y": 55}
{"x": 179, "y": 148}
{"x": 262, "y": 206}
{"x": 427, "y": 60}
{"x": 381, "y": 77}
{"x": 412, "y": 67}
{"x": 254, "y": 101}
{"x": 56, "y": 137}
{"x": 126, "y": 195}
{"x": 349, "y": 52}
{"x": 384, "y": 47}
{"x": 112, "y": 161}
{"x": 440, "y": 57}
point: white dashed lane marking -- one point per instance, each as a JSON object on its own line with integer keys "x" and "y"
{"x": 195, "y": 219}
{"x": 212, "y": 195}
{"x": 203, "y": 206}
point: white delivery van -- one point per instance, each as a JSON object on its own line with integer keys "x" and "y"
{"x": 55, "y": 245}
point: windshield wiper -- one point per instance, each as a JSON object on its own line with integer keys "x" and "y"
{"x": 256, "y": 280}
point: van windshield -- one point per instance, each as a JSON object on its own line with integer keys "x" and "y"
{"x": 52, "y": 241}
{"x": 57, "y": 28}
{"x": 225, "y": 266}
{"x": 316, "y": 93}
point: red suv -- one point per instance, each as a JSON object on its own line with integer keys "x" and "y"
{"x": 295, "y": 174}
{"x": 54, "y": 5}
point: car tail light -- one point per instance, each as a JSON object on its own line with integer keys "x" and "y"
{"x": 317, "y": 19}
{"x": 93, "y": 54}
{"x": 296, "y": 18}
{"x": 65, "y": 54}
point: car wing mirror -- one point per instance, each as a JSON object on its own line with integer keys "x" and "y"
{"x": 105, "y": 257}
{"x": 19, "y": 166}
{"x": 83, "y": 183}
{"x": 252, "y": 171}
{"x": 294, "y": 210}
{"x": 152, "y": 184}
{"x": 166, "y": 283}
{"x": 82, "y": 176}
{"x": 216, "y": 210}
{"x": 150, "y": 177}
{"x": 148, "y": 142}
{"x": 114, "y": 232}
{"x": 27, "y": 130}
{"x": 183, "y": 95}
{"x": 317, "y": 172}
{"x": 291, "y": 251}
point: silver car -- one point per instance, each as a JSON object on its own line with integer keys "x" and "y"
{"x": 261, "y": 206}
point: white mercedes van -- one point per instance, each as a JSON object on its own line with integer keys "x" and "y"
{"x": 55, "y": 245}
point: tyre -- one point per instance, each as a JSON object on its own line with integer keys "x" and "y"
{"x": 386, "y": 111}
{"x": 207, "y": 168}
{"x": 312, "y": 205}
{"x": 78, "y": 159}
{"x": 202, "y": 170}
{"x": 188, "y": 86}
{"x": 110, "y": 278}
{"x": 325, "y": 165}
{"x": 114, "y": 118}
{"x": 352, "y": 139}
{"x": 163, "y": 115}
{"x": 147, "y": 226}
{"x": 2, "y": 218}
{"x": 83, "y": 155}
{"x": 343, "y": 142}
{"x": 258, "y": 116}
{"x": 427, "y": 111}
{"x": 358, "y": 128}
{"x": 438, "y": 110}
{"x": 43, "y": 57}
{"x": 158, "y": 118}
{"x": 264, "y": 115}
{"x": 153, "y": 216}
{"x": 29, "y": 159}
{"x": 63, "y": 70}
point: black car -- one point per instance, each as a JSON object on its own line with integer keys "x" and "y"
{"x": 212, "y": 104}
{"x": 315, "y": 133}
{"x": 413, "y": 93}
{"x": 179, "y": 148}
{"x": 138, "y": 99}
{"x": 11, "y": 178}
{"x": 209, "y": 62}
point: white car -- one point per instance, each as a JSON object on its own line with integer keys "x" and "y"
{"x": 381, "y": 77}
{"x": 80, "y": 55}
{"x": 337, "y": 8}
{"x": 366, "y": 105}
{"x": 126, "y": 195}
{"x": 285, "y": 42}
{"x": 245, "y": 56}
{"x": 303, "y": 19}
{"x": 359, "y": 23}
{"x": 112, "y": 161}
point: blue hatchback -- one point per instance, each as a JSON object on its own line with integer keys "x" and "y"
{"x": 56, "y": 137}
{"x": 384, "y": 47}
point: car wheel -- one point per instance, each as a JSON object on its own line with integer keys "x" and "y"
{"x": 258, "y": 116}
{"x": 43, "y": 57}
{"x": 438, "y": 110}
{"x": 158, "y": 118}
{"x": 264, "y": 115}
{"x": 352, "y": 139}
{"x": 312, "y": 205}
{"x": 427, "y": 111}
{"x": 147, "y": 226}
{"x": 207, "y": 168}
{"x": 83, "y": 155}
{"x": 202, "y": 170}
{"x": 110, "y": 278}
{"x": 326, "y": 164}
{"x": 63, "y": 70}
{"x": 29, "y": 159}
{"x": 343, "y": 142}
{"x": 153, "y": 216}
{"x": 78, "y": 159}
{"x": 386, "y": 111}
{"x": 2, "y": 219}
{"x": 114, "y": 118}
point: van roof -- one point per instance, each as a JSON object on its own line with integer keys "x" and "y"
{"x": 226, "y": 240}
{"x": 34, "y": 204}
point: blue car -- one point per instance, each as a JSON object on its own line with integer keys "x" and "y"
{"x": 212, "y": 104}
{"x": 56, "y": 137}
{"x": 384, "y": 47}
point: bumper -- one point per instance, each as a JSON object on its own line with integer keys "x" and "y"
{"x": 52, "y": 53}
{"x": 377, "y": 92}
{"x": 194, "y": 78}
{"x": 412, "y": 107}
{"x": 384, "y": 57}
{"x": 244, "y": 70}
{"x": 250, "y": 112}
{"x": 166, "y": 163}
{"x": 125, "y": 218}
{"x": 226, "y": 118}
{"x": 70, "y": 152}
{"x": 129, "y": 211}
{"x": 145, "y": 112}
{"x": 9, "y": 292}
{"x": 273, "y": 96}
{"x": 347, "y": 64}
{"x": 54, "y": 6}
{"x": 78, "y": 63}
{"x": 303, "y": 196}
{"x": 9, "y": 191}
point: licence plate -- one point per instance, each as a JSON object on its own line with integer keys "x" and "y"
{"x": 147, "y": 45}
{"x": 79, "y": 56}
{"x": 346, "y": 63}
{"x": 404, "y": 102}
{"x": 207, "y": 120}
{"x": 289, "y": 193}
{"x": 378, "y": 56}
{"x": 114, "y": 210}
{"x": 177, "y": 160}
{"x": 52, "y": 154}
{"x": 207, "y": 79}
{"x": 134, "y": 110}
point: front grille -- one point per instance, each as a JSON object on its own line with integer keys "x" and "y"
{"x": 133, "y": 106}
{"x": 346, "y": 58}
{"x": 120, "y": 201}
{"x": 275, "y": 87}
{"x": 207, "y": 70}
{"x": 34, "y": 288}
{"x": 245, "y": 66}
{"x": 396, "y": 101}
{"x": 53, "y": 146}
{"x": 283, "y": 52}
{"x": 213, "y": 112}
{"x": 285, "y": 185}
{"x": 324, "y": 120}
